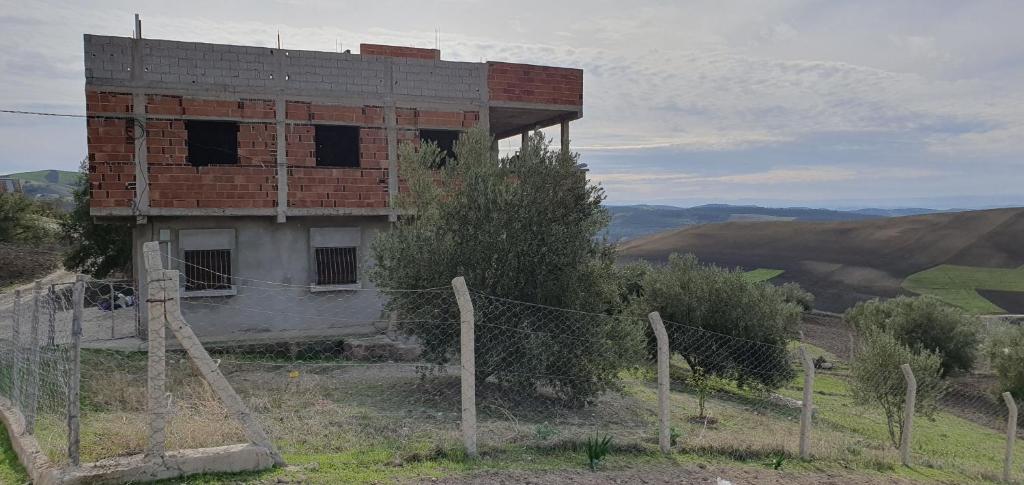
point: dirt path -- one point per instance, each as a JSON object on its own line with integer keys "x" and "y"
{"x": 665, "y": 475}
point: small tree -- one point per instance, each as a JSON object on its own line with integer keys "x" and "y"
{"x": 521, "y": 228}
{"x": 22, "y": 221}
{"x": 793, "y": 293}
{"x": 878, "y": 380}
{"x": 721, "y": 323}
{"x": 1006, "y": 350}
{"x": 923, "y": 323}
{"x": 95, "y": 249}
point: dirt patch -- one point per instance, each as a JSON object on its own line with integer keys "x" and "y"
{"x": 20, "y": 264}
{"x": 827, "y": 332}
{"x": 668, "y": 474}
{"x": 1011, "y": 301}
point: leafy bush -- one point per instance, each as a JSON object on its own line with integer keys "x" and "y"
{"x": 597, "y": 448}
{"x": 720, "y": 323}
{"x": 22, "y": 220}
{"x": 878, "y": 380}
{"x": 793, "y": 293}
{"x": 522, "y": 228}
{"x": 1006, "y": 350}
{"x": 923, "y": 323}
{"x": 95, "y": 249}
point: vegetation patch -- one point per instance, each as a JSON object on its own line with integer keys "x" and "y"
{"x": 762, "y": 274}
{"x": 958, "y": 285}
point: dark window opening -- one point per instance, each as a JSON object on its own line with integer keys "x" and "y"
{"x": 444, "y": 139}
{"x": 337, "y": 146}
{"x": 212, "y": 142}
{"x": 336, "y": 266}
{"x": 207, "y": 269}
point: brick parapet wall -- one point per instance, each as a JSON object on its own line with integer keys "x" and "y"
{"x": 534, "y": 84}
{"x": 399, "y": 51}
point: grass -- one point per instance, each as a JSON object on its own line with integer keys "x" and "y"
{"x": 11, "y": 470}
{"x": 958, "y": 285}
{"x": 761, "y": 274}
{"x": 383, "y": 423}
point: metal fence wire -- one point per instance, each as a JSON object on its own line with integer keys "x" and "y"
{"x": 381, "y": 373}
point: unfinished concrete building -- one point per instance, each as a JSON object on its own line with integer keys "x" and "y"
{"x": 256, "y": 164}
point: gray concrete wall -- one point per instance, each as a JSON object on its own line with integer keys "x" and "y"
{"x": 194, "y": 67}
{"x": 273, "y": 270}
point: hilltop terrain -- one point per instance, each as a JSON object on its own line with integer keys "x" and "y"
{"x": 947, "y": 255}
{"x": 632, "y": 221}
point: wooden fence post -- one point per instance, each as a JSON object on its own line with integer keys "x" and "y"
{"x": 75, "y": 379}
{"x": 16, "y": 356}
{"x": 807, "y": 413}
{"x": 1011, "y": 435}
{"x": 33, "y": 366}
{"x": 664, "y": 418}
{"x": 908, "y": 414}
{"x": 156, "y": 377}
{"x": 467, "y": 350}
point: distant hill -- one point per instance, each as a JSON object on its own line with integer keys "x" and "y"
{"x": 631, "y": 221}
{"x": 848, "y": 261}
{"x": 49, "y": 184}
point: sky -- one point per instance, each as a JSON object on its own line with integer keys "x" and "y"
{"x": 792, "y": 102}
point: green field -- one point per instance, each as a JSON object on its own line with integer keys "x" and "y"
{"x": 958, "y": 285}
{"x": 761, "y": 274}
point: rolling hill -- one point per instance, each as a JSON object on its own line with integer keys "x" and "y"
{"x": 848, "y": 261}
{"x": 632, "y": 221}
{"x": 49, "y": 185}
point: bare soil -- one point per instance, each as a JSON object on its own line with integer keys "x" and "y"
{"x": 20, "y": 264}
{"x": 666, "y": 475}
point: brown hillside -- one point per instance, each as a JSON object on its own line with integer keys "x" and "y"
{"x": 845, "y": 262}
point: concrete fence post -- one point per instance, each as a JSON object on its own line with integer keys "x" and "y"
{"x": 51, "y": 314}
{"x": 113, "y": 316}
{"x": 156, "y": 297}
{"x": 467, "y": 350}
{"x": 1011, "y": 435}
{"x": 75, "y": 377}
{"x": 33, "y": 366}
{"x": 807, "y": 410}
{"x": 16, "y": 356}
{"x": 908, "y": 414}
{"x": 664, "y": 416}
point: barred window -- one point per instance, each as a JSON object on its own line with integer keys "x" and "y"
{"x": 336, "y": 266}
{"x": 207, "y": 269}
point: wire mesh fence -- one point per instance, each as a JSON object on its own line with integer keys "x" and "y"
{"x": 380, "y": 372}
{"x": 554, "y": 377}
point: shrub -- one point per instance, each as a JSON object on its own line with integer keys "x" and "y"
{"x": 877, "y": 378}
{"x": 22, "y": 221}
{"x": 522, "y": 228}
{"x": 793, "y": 293}
{"x": 96, "y": 249}
{"x": 720, "y": 323}
{"x": 923, "y": 323}
{"x": 1006, "y": 350}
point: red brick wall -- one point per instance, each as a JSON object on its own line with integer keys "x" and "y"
{"x": 456, "y": 120}
{"x": 111, "y": 154}
{"x": 398, "y": 51}
{"x": 534, "y": 84}
{"x": 311, "y": 186}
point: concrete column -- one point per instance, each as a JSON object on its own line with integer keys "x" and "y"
{"x": 391, "y": 129}
{"x": 156, "y": 376}
{"x": 1011, "y": 435}
{"x": 565, "y": 136}
{"x": 280, "y": 108}
{"x": 75, "y": 373}
{"x": 525, "y": 140}
{"x": 467, "y": 351}
{"x": 31, "y": 406}
{"x": 908, "y": 414}
{"x": 807, "y": 411}
{"x": 664, "y": 408}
